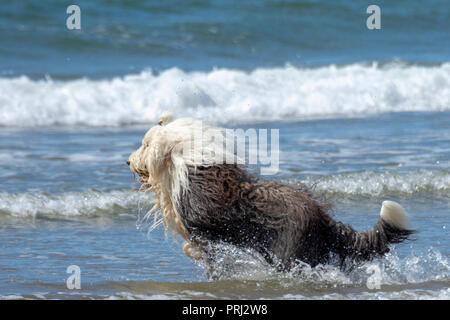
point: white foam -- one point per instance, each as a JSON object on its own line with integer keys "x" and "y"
{"x": 226, "y": 96}
{"x": 139, "y": 296}
{"x": 71, "y": 204}
{"x": 408, "y": 294}
{"x": 12, "y": 297}
{"x": 418, "y": 267}
{"x": 89, "y": 157}
{"x": 381, "y": 183}
{"x": 93, "y": 202}
{"x": 392, "y": 276}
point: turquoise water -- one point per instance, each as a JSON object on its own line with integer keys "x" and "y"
{"x": 363, "y": 115}
{"x": 120, "y": 37}
{"x": 68, "y": 198}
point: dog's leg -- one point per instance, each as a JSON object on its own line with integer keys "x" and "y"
{"x": 191, "y": 251}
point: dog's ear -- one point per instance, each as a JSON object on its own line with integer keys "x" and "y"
{"x": 165, "y": 118}
{"x": 159, "y": 152}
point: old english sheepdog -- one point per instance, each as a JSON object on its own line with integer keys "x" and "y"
{"x": 207, "y": 200}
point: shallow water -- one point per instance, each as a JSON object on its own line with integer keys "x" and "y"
{"x": 362, "y": 115}
{"x": 69, "y": 199}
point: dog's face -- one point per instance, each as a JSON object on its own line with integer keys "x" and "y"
{"x": 150, "y": 159}
{"x": 171, "y": 146}
{"x": 162, "y": 163}
{"x": 138, "y": 160}
{"x": 157, "y": 163}
{"x": 168, "y": 150}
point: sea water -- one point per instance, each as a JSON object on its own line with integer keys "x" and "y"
{"x": 363, "y": 116}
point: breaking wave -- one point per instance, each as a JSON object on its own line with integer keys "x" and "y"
{"x": 94, "y": 202}
{"x": 381, "y": 183}
{"x": 226, "y": 95}
{"x": 73, "y": 204}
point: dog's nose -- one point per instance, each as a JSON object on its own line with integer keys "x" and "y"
{"x": 128, "y": 162}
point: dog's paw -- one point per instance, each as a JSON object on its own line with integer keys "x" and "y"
{"x": 191, "y": 251}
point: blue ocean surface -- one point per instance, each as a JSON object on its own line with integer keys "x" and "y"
{"x": 122, "y": 37}
{"x": 363, "y": 115}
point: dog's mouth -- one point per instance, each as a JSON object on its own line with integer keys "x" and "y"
{"x": 142, "y": 178}
{"x": 143, "y": 181}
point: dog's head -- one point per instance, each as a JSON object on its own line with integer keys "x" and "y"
{"x": 167, "y": 150}
{"x": 150, "y": 160}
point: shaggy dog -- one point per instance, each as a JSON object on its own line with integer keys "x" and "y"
{"x": 208, "y": 202}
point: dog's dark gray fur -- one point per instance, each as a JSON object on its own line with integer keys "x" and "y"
{"x": 284, "y": 224}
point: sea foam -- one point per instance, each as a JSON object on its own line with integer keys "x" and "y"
{"x": 122, "y": 201}
{"x": 73, "y": 204}
{"x": 226, "y": 95}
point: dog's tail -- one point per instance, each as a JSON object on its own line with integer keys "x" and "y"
{"x": 392, "y": 227}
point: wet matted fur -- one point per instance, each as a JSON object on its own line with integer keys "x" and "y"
{"x": 208, "y": 202}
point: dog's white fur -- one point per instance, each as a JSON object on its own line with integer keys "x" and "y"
{"x": 170, "y": 147}
{"x": 166, "y": 152}
{"x": 394, "y": 214}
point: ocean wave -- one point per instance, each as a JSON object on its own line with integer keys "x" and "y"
{"x": 88, "y": 203}
{"x": 116, "y": 202}
{"x": 381, "y": 183}
{"x": 226, "y": 95}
